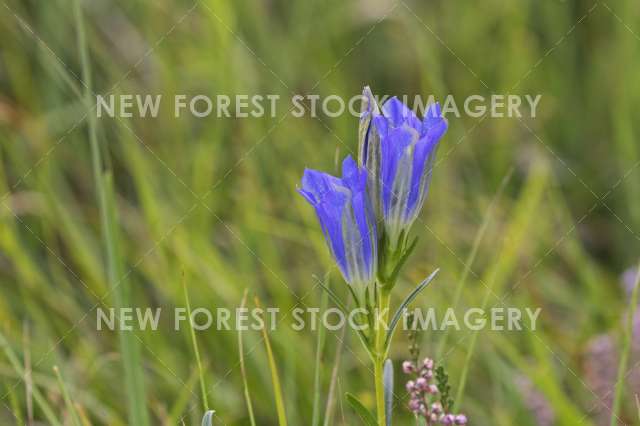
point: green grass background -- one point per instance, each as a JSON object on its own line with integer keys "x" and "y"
{"x": 215, "y": 197}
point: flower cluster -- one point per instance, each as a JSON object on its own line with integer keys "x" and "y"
{"x": 426, "y": 399}
{"x": 388, "y": 186}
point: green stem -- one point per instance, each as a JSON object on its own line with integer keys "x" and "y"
{"x": 382, "y": 318}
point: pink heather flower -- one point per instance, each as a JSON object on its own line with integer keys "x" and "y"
{"x": 461, "y": 419}
{"x": 424, "y": 402}
{"x": 448, "y": 419}
{"x": 427, "y": 374}
{"x": 428, "y": 363}
{"x": 408, "y": 367}
{"x": 422, "y": 384}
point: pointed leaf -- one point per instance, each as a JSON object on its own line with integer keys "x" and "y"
{"x": 364, "y": 414}
{"x": 409, "y": 299}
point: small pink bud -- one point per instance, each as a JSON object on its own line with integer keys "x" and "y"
{"x": 414, "y": 405}
{"x": 436, "y": 408}
{"x": 427, "y": 374}
{"x": 433, "y": 389}
{"x": 421, "y": 383}
{"x": 411, "y": 386}
{"x": 428, "y": 363}
{"x": 408, "y": 367}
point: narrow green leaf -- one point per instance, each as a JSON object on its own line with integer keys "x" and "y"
{"x": 367, "y": 417}
{"x": 403, "y": 259}
{"x": 405, "y": 303}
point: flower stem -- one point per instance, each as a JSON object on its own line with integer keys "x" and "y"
{"x": 382, "y": 318}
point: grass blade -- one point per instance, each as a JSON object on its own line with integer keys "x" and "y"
{"x": 469, "y": 261}
{"x": 15, "y": 407}
{"x": 328, "y": 412}
{"x": 315, "y": 419}
{"x": 194, "y": 343}
{"x": 277, "y": 388}
{"x": 67, "y": 398}
{"x": 37, "y": 396}
{"x": 134, "y": 383}
{"x": 365, "y": 415}
{"x": 243, "y": 370}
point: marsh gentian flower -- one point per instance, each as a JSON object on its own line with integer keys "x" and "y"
{"x": 347, "y": 220}
{"x": 398, "y": 150}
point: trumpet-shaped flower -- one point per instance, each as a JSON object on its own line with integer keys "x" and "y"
{"x": 398, "y": 150}
{"x": 347, "y": 220}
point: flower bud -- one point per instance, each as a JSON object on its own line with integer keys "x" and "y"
{"x": 408, "y": 367}
{"x": 411, "y": 386}
{"x": 428, "y": 363}
{"x": 421, "y": 384}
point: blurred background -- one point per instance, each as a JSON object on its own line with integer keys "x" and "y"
{"x": 544, "y": 212}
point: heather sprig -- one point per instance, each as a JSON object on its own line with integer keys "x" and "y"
{"x": 429, "y": 393}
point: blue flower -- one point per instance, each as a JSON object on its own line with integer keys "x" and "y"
{"x": 398, "y": 150}
{"x": 347, "y": 220}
